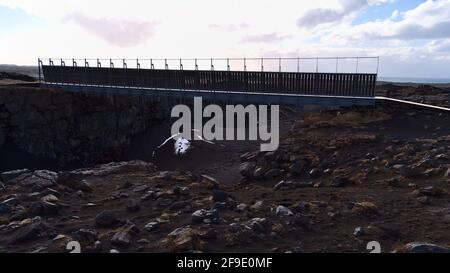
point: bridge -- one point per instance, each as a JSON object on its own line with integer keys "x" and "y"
{"x": 340, "y": 81}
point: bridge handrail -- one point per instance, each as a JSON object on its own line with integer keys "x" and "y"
{"x": 261, "y": 63}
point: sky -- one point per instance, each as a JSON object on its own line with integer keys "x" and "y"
{"x": 411, "y": 37}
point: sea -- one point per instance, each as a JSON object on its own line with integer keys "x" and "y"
{"x": 414, "y": 80}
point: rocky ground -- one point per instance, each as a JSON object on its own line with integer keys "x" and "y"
{"x": 340, "y": 179}
{"x": 430, "y": 94}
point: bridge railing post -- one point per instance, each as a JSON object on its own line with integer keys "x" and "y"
{"x": 317, "y": 65}
{"x": 378, "y": 64}
{"x": 357, "y": 64}
{"x": 337, "y": 64}
{"x": 39, "y": 68}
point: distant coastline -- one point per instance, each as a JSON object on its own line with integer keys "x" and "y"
{"x": 414, "y": 80}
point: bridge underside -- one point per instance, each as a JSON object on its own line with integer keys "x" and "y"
{"x": 221, "y": 96}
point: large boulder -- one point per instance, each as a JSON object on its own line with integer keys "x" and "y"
{"x": 420, "y": 247}
{"x": 183, "y": 239}
{"x": 121, "y": 239}
{"x": 10, "y": 175}
{"x": 105, "y": 219}
{"x": 26, "y": 178}
{"x": 85, "y": 236}
{"x": 205, "y": 216}
{"x": 259, "y": 225}
{"x": 247, "y": 168}
{"x": 40, "y": 179}
{"x": 44, "y": 208}
{"x": 27, "y": 232}
{"x": 107, "y": 169}
{"x": 123, "y": 167}
{"x": 283, "y": 211}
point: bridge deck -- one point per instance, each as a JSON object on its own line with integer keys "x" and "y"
{"x": 219, "y": 96}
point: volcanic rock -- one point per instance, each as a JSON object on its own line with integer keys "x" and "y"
{"x": 121, "y": 239}
{"x": 259, "y": 225}
{"x": 283, "y": 211}
{"x": 205, "y": 216}
{"x": 419, "y": 247}
{"x": 133, "y": 206}
{"x": 105, "y": 219}
{"x": 246, "y": 169}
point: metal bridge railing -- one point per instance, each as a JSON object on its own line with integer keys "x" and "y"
{"x": 338, "y": 84}
{"x": 266, "y": 64}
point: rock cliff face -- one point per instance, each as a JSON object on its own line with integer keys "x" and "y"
{"x": 72, "y": 127}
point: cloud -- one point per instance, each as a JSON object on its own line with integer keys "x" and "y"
{"x": 121, "y": 33}
{"x": 319, "y": 16}
{"x": 316, "y": 17}
{"x": 410, "y": 31}
{"x": 440, "y": 46}
{"x": 265, "y": 38}
{"x": 229, "y": 28}
{"x": 430, "y": 20}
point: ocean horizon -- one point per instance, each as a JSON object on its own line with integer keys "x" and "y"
{"x": 413, "y": 80}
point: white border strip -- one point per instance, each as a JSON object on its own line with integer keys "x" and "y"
{"x": 414, "y": 103}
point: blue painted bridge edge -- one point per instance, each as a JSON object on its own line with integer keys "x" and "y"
{"x": 220, "y": 96}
